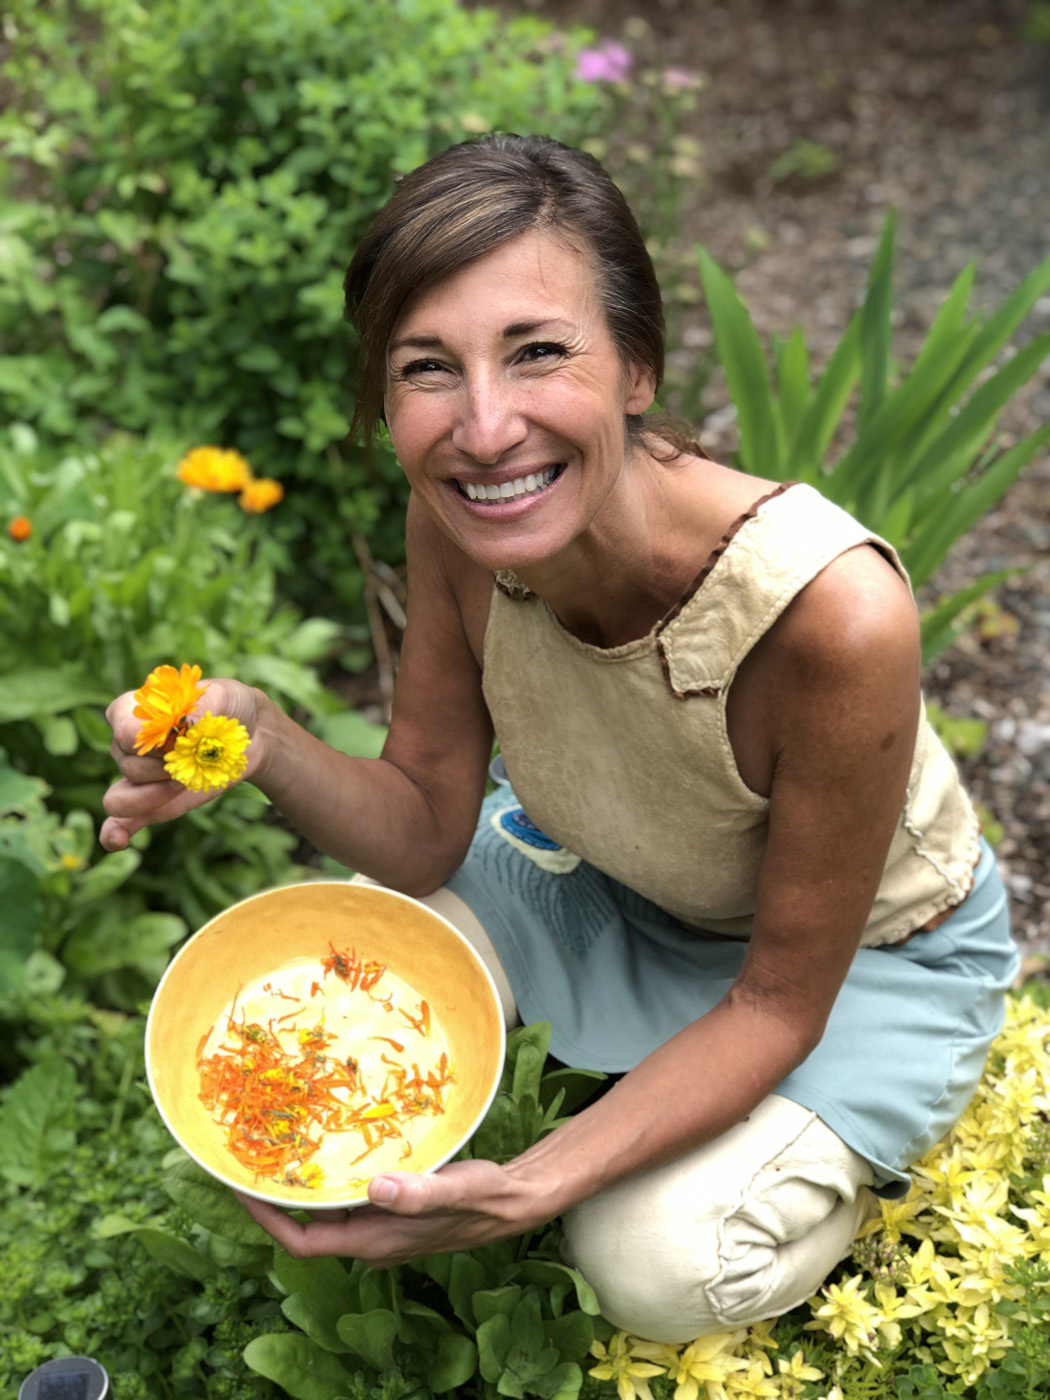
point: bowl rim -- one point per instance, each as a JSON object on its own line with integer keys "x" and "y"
{"x": 358, "y": 1200}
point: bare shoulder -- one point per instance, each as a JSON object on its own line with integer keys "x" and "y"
{"x": 856, "y": 616}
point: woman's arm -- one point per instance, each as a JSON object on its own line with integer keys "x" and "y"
{"x": 406, "y": 818}
{"x": 841, "y": 677}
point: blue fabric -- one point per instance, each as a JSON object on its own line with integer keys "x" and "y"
{"x": 616, "y": 976}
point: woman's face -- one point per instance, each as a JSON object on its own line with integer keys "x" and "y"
{"x": 506, "y": 400}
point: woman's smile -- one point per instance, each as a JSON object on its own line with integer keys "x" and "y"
{"x": 530, "y": 485}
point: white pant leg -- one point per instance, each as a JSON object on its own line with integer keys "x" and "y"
{"x": 462, "y": 917}
{"x": 744, "y": 1228}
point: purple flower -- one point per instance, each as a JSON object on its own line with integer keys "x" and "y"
{"x": 610, "y": 62}
{"x": 679, "y": 78}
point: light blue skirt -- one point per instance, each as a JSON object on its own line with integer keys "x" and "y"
{"x": 616, "y": 976}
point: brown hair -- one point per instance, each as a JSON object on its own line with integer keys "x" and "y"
{"x": 470, "y": 199}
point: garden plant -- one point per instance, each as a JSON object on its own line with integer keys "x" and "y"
{"x": 180, "y": 187}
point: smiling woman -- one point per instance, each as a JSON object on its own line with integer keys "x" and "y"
{"x": 735, "y": 868}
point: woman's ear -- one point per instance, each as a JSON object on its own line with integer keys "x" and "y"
{"x": 641, "y": 390}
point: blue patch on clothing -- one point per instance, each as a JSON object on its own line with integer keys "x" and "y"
{"x": 518, "y": 824}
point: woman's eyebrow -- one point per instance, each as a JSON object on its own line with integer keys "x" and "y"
{"x": 517, "y": 329}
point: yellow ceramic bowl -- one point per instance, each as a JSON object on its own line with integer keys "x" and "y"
{"x": 254, "y": 941}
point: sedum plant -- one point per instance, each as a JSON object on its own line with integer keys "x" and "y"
{"x": 923, "y": 463}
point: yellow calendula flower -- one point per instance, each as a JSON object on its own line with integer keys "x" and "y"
{"x": 210, "y": 754}
{"x": 262, "y": 493}
{"x": 620, "y": 1363}
{"x": 164, "y": 703}
{"x": 214, "y": 469}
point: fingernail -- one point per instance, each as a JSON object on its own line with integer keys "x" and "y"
{"x": 383, "y": 1191}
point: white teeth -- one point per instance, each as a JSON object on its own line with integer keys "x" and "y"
{"x": 520, "y": 486}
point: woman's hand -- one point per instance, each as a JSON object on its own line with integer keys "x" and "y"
{"x": 463, "y": 1205}
{"x": 145, "y": 795}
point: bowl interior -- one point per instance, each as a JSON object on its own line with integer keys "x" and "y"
{"x": 256, "y": 938}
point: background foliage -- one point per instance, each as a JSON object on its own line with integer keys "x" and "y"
{"x": 181, "y": 186}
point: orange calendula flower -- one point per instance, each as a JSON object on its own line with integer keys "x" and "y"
{"x": 210, "y": 754}
{"x": 20, "y": 528}
{"x": 261, "y": 494}
{"x": 164, "y": 703}
{"x": 214, "y": 469}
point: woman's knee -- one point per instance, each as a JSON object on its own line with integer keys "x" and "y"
{"x": 742, "y": 1229}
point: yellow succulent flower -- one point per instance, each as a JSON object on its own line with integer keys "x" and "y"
{"x": 210, "y": 754}
{"x": 620, "y": 1363}
{"x": 705, "y": 1363}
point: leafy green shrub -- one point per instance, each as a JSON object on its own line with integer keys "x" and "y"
{"x": 181, "y": 187}
{"x": 923, "y": 464}
{"x": 126, "y": 569}
{"x": 95, "y": 1258}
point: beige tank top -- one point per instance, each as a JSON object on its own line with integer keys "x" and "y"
{"x": 622, "y": 754}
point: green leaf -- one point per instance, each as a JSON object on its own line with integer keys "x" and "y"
{"x": 548, "y": 1272}
{"x": 35, "y": 1133}
{"x": 455, "y": 1363}
{"x": 577, "y": 1086}
{"x": 806, "y": 450}
{"x": 493, "y": 1345}
{"x": 466, "y": 1277}
{"x": 740, "y": 352}
{"x": 209, "y": 1203}
{"x": 793, "y": 390}
{"x": 22, "y": 903}
{"x": 104, "y": 877}
{"x": 178, "y": 1255}
{"x": 487, "y": 1302}
{"x": 875, "y": 328}
{"x": 303, "y": 1369}
{"x": 371, "y": 1336}
{"x": 351, "y": 733}
{"x": 320, "y": 1292}
{"x": 939, "y": 625}
{"x": 33, "y": 692}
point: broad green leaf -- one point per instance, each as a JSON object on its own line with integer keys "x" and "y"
{"x": 104, "y": 877}
{"x": 176, "y": 1253}
{"x": 351, "y": 733}
{"x": 320, "y": 1292}
{"x": 465, "y": 1278}
{"x": 22, "y": 903}
{"x": 742, "y": 358}
{"x": 34, "y": 692}
{"x": 548, "y": 1272}
{"x": 18, "y": 791}
{"x": 563, "y": 1383}
{"x": 370, "y": 1335}
{"x": 577, "y": 1085}
{"x": 455, "y": 1363}
{"x": 35, "y": 1123}
{"x": 303, "y": 1369}
{"x": 253, "y": 1260}
{"x": 487, "y": 1302}
{"x": 209, "y": 1203}
{"x": 493, "y": 1345}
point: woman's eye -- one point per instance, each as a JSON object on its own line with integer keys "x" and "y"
{"x": 416, "y": 367}
{"x": 543, "y": 351}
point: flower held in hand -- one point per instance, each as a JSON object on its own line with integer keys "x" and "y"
{"x": 164, "y": 703}
{"x": 210, "y": 754}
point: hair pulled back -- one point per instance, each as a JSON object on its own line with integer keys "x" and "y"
{"x": 470, "y": 199}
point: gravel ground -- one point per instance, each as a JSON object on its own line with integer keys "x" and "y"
{"x": 940, "y": 110}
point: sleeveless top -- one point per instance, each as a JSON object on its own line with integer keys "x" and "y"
{"x": 622, "y": 754}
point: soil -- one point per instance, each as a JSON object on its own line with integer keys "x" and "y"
{"x": 940, "y": 110}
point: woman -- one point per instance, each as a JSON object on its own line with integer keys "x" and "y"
{"x": 744, "y": 870}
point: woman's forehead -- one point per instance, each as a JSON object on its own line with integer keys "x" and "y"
{"x": 533, "y": 277}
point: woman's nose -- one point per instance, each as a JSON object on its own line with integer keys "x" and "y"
{"x": 489, "y": 422}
